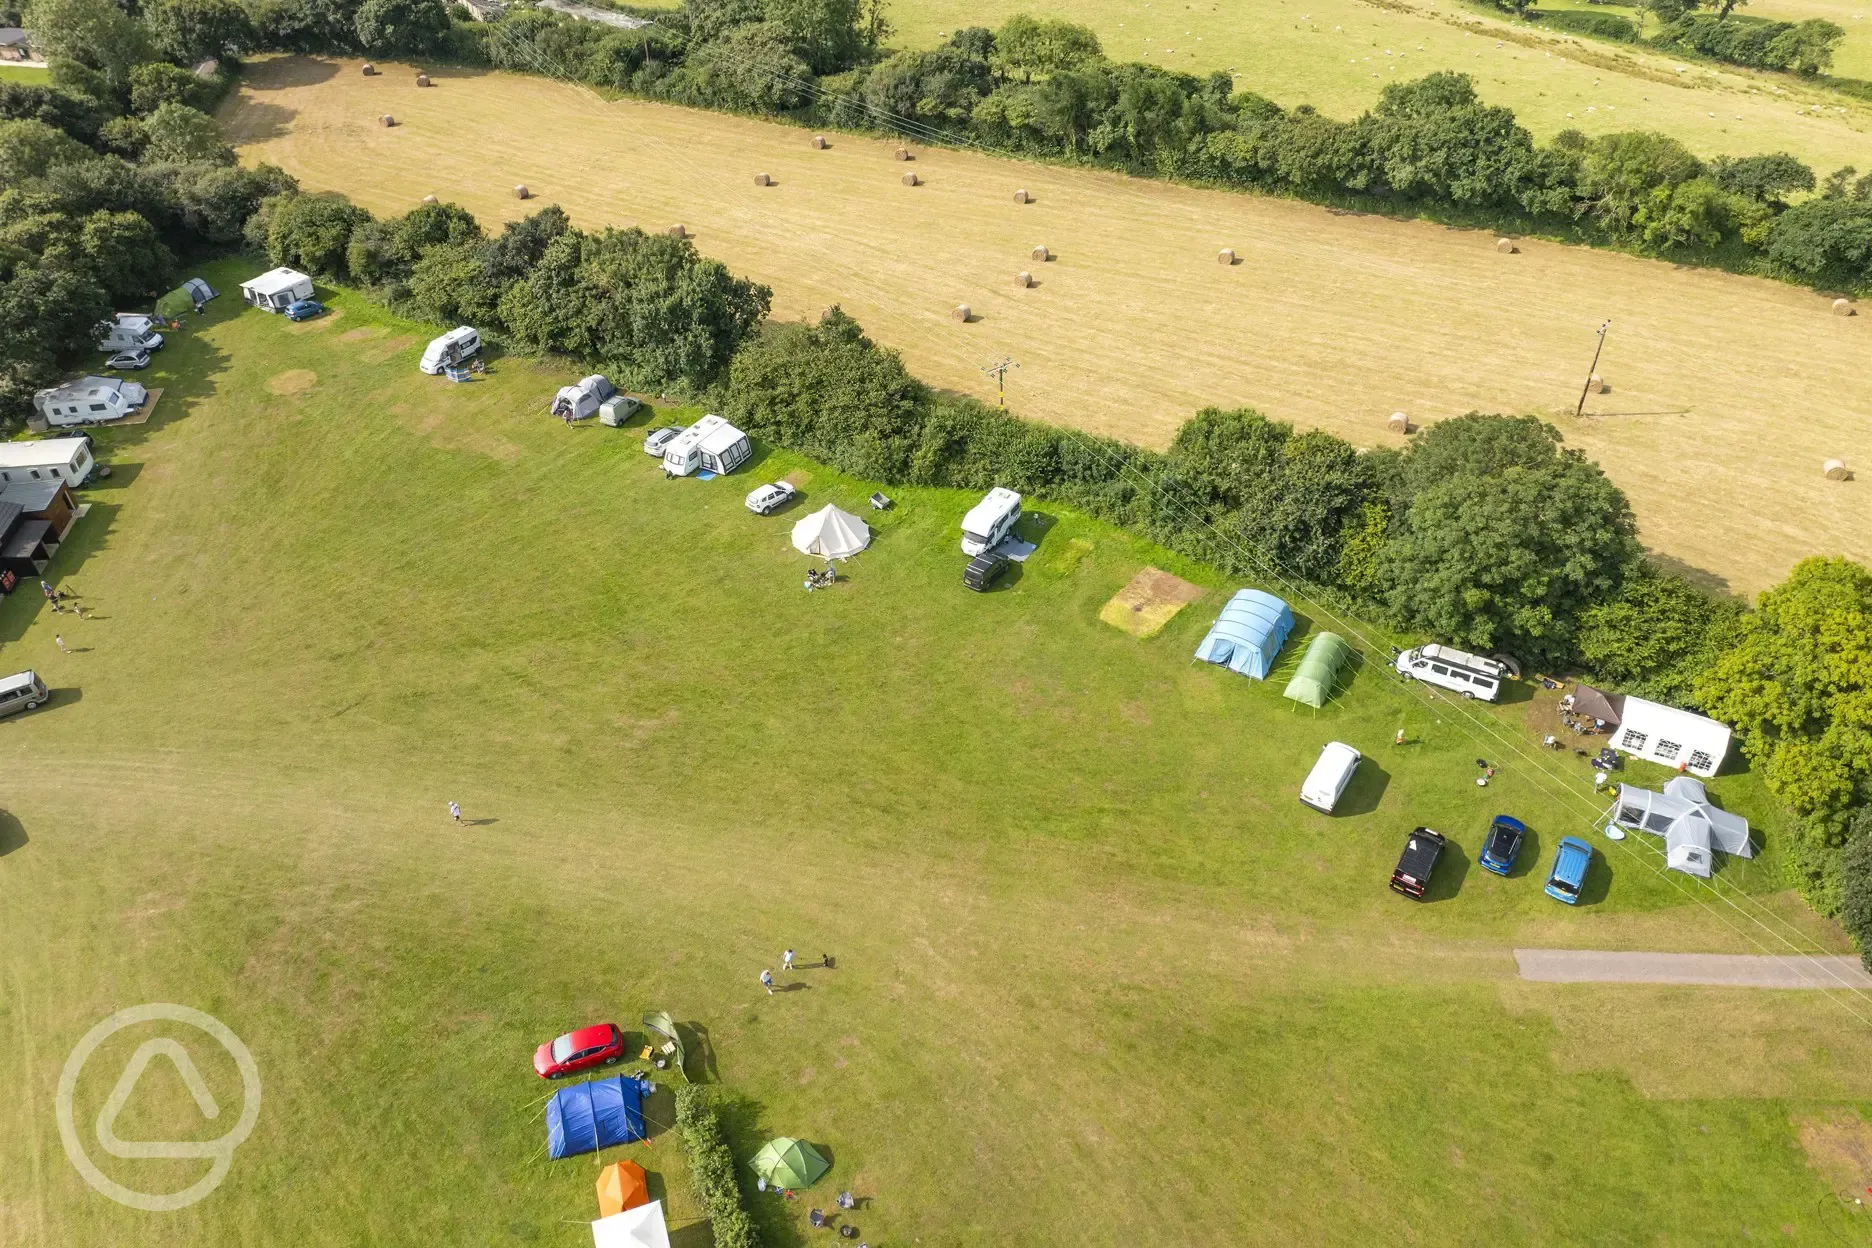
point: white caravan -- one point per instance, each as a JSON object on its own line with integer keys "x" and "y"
{"x": 90, "y": 401}
{"x": 1468, "y": 674}
{"x": 277, "y": 289}
{"x": 1326, "y": 783}
{"x": 709, "y": 445}
{"x": 990, "y": 520}
{"x": 129, "y": 332}
{"x": 450, "y": 349}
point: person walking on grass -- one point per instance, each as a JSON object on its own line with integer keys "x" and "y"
{"x": 766, "y": 979}
{"x": 58, "y": 640}
{"x": 786, "y": 960}
{"x": 455, "y": 811}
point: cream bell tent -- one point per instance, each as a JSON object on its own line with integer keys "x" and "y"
{"x": 642, "y": 1227}
{"x": 831, "y": 534}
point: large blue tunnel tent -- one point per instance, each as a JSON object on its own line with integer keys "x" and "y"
{"x": 593, "y": 1115}
{"x": 1248, "y": 634}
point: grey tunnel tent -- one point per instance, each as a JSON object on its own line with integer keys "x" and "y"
{"x": 1319, "y": 670}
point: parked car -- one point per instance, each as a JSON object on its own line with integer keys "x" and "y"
{"x": 1330, "y": 775}
{"x": 1568, "y": 876}
{"x": 1417, "y": 863}
{"x": 657, "y": 439}
{"x": 1502, "y": 845}
{"x": 984, "y": 570}
{"x": 770, "y": 498}
{"x": 1471, "y": 675}
{"x": 602, "y": 1045}
{"x": 303, "y": 309}
{"x": 22, "y": 692}
{"x": 128, "y": 361}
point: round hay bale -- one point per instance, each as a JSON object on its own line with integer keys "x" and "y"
{"x": 819, "y": 142}
{"x": 1505, "y": 246}
{"x": 521, "y": 192}
{"x": 1042, "y": 254}
{"x": 909, "y": 179}
{"x": 1836, "y": 470}
{"x": 677, "y": 231}
{"x": 763, "y": 179}
{"x": 903, "y": 153}
{"x": 369, "y": 69}
{"x": 1597, "y": 385}
{"x": 1226, "y": 256}
{"x": 1022, "y": 197}
{"x": 1023, "y": 280}
{"x": 422, "y": 80}
{"x": 961, "y": 313}
{"x": 430, "y": 199}
{"x": 386, "y": 121}
{"x": 1842, "y": 307}
{"x": 1398, "y": 423}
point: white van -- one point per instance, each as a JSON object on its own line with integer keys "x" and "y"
{"x": 990, "y": 520}
{"x": 709, "y": 445}
{"x": 1326, "y": 783}
{"x": 451, "y": 348}
{"x": 1468, "y": 674}
{"x": 129, "y": 332}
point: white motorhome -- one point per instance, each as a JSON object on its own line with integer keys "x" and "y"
{"x": 583, "y": 399}
{"x": 50, "y": 459}
{"x": 89, "y": 401}
{"x": 1468, "y": 674}
{"x": 990, "y": 520}
{"x": 129, "y": 332}
{"x": 277, "y": 289}
{"x": 451, "y": 348}
{"x": 1326, "y": 783}
{"x": 709, "y": 445}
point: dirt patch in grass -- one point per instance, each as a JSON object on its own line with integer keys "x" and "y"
{"x": 797, "y": 478}
{"x": 1071, "y": 555}
{"x": 1150, "y": 601}
{"x": 292, "y": 381}
{"x": 1838, "y": 1145}
{"x": 389, "y": 348}
{"x": 361, "y": 333}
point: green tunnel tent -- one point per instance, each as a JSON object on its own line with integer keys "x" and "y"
{"x": 1319, "y": 670}
{"x": 790, "y": 1163}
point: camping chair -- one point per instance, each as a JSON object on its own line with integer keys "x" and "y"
{"x": 646, "y": 1054}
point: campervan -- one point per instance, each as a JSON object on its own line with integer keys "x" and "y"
{"x": 990, "y": 520}
{"x": 276, "y": 289}
{"x": 1327, "y": 781}
{"x": 451, "y": 348}
{"x": 129, "y": 332}
{"x": 582, "y": 400}
{"x": 1468, "y": 674}
{"x": 709, "y": 445}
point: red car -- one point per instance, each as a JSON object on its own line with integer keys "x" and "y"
{"x": 602, "y": 1045}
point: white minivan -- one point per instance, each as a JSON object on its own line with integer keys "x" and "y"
{"x": 451, "y": 348}
{"x": 990, "y": 520}
{"x": 1447, "y": 667}
{"x": 1326, "y": 783}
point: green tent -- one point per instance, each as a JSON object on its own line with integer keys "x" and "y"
{"x": 789, "y": 1163}
{"x": 172, "y": 305}
{"x": 664, "y": 1026}
{"x": 1319, "y": 670}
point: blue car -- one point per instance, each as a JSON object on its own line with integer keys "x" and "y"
{"x": 304, "y": 309}
{"x": 1569, "y": 870}
{"x": 1502, "y": 845}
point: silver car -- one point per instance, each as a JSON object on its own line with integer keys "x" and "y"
{"x": 128, "y": 361}
{"x": 770, "y": 498}
{"x": 657, "y": 439}
{"x": 22, "y": 692}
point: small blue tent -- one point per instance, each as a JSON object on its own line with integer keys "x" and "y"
{"x": 1248, "y": 634}
{"x": 593, "y": 1115}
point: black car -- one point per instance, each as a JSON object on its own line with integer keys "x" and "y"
{"x": 984, "y": 570}
{"x": 1416, "y": 864}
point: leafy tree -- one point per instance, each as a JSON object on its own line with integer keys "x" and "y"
{"x": 1668, "y": 11}
{"x": 1765, "y": 179}
{"x": 401, "y": 27}
{"x": 176, "y": 132}
{"x": 124, "y": 252}
{"x": 75, "y": 78}
{"x": 1471, "y": 445}
{"x": 1696, "y": 212}
{"x": 48, "y": 316}
{"x": 157, "y": 83}
{"x": 92, "y": 32}
{"x": 310, "y": 232}
{"x": 710, "y": 19}
{"x": 1840, "y": 185}
{"x": 1824, "y": 241}
{"x": 1856, "y": 883}
{"x": 1797, "y": 685}
{"x": 76, "y": 115}
{"x": 826, "y": 33}
{"x": 1621, "y": 171}
{"x": 1434, "y": 139}
{"x": 1806, "y": 48}
{"x": 1028, "y": 45}
{"x": 1658, "y": 636}
{"x": 28, "y": 149}
{"x": 190, "y": 31}
{"x": 384, "y": 252}
{"x": 942, "y": 86}
{"x": 750, "y": 67}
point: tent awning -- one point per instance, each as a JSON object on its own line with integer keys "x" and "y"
{"x": 642, "y": 1227}
{"x": 1598, "y": 704}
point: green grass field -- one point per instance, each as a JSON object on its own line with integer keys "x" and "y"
{"x": 1101, "y": 980}
{"x": 24, "y": 73}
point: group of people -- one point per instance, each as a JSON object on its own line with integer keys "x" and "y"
{"x": 816, "y": 579}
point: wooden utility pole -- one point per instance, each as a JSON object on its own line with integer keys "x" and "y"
{"x": 1593, "y": 371}
{"x": 999, "y": 371}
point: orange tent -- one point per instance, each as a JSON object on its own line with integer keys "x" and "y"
{"x": 621, "y": 1186}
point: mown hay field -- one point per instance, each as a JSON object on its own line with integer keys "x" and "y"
{"x": 1727, "y": 393}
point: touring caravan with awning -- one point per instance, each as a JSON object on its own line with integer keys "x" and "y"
{"x": 709, "y": 445}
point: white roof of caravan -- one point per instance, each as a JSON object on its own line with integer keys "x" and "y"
{"x": 1687, "y": 728}
{"x": 982, "y": 516}
{"x": 91, "y": 387}
{"x": 43, "y": 451}
{"x": 720, "y": 438}
{"x": 275, "y": 280}
{"x": 694, "y": 436}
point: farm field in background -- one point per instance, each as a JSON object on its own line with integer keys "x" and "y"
{"x": 1092, "y": 954}
{"x": 1728, "y": 393}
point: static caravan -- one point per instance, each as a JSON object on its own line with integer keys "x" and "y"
{"x": 709, "y": 445}
{"x": 277, "y": 289}
{"x": 89, "y": 401}
{"x": 583, "y": 399}
{"x": 130, "y": 332}
{"x": 66, "y": 460}
{"x": 451, "y": 348}
{"x": 990, "y": 520}
{"x": 1468, "y": 674}
{"x": 1664, "y": 734}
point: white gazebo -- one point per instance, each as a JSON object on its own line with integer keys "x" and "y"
{"x": 641, "y": 1227}
{"x": 831, "y": 534}
{"x": 1675, "y": 738}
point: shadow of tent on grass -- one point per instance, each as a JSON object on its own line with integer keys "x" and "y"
{"x": 12, "y": 833}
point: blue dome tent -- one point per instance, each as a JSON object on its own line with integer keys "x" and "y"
{"x": 593, "y": 1115}
{"x": 1248, "y": 634}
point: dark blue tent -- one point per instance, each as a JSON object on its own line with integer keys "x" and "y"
{"x": 589, "y": 1116}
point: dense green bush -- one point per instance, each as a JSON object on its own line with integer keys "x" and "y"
{"x": 1800, "y": 47}
{"x": 1855, "y": 911}
{"x": 1596, "y": 25}
{"x": 1657, "y": 636}
{"x": 712, "y": 1169}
